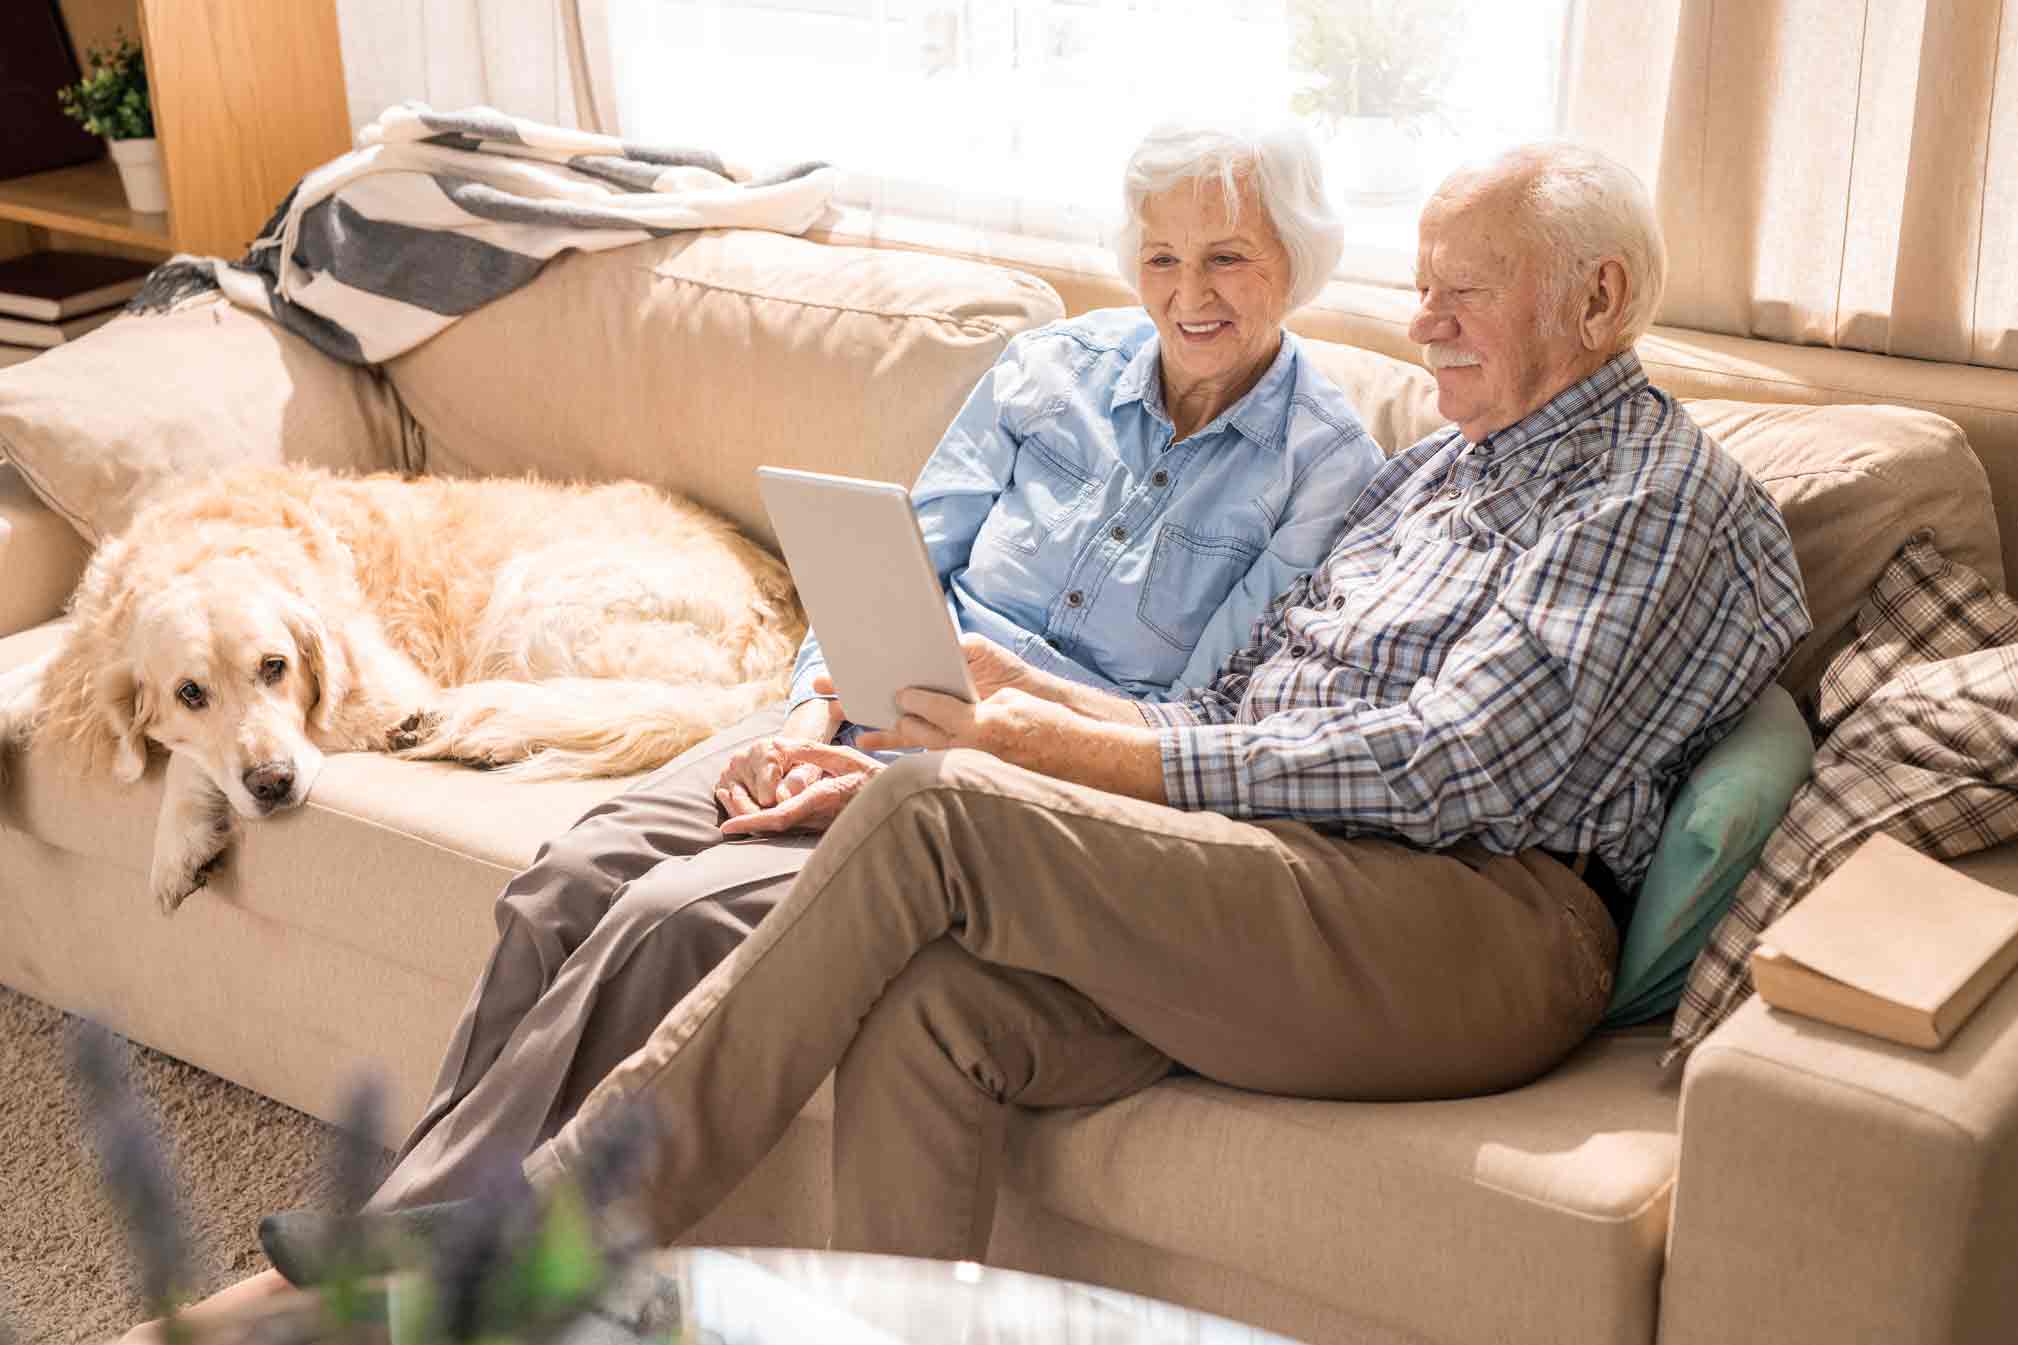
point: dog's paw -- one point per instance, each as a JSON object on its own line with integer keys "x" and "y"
{"x": 412, "y": 731}
{"x": 177, "y": 874}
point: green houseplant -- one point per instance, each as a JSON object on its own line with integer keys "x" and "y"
{"x": 112, "y": 100}
{"x": 1374, "y": 74}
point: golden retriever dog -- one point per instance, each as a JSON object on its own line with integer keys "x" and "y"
{"x": 257, "y": 620}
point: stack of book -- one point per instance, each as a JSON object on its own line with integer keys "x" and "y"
{"x": 47, "y": 298}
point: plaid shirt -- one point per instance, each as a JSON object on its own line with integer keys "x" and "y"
{"x": 1526, "y": 641}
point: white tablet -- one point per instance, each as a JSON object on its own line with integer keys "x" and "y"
{"x": 868, "y": 586}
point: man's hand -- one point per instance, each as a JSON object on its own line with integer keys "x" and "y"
{"x": 1007, "y": 722}
{"x": 842, "y": 774}
{"x": 1038, "y": 735}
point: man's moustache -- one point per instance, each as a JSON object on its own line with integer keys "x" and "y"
{"x": 1443, "y": 357}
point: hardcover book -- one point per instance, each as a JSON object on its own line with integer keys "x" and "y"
{"x": 25, "y": 332}
{"x": 1893, "y": 944}
{"x": 52, "y": 285}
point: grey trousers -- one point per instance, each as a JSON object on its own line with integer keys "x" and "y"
{"x": 615, "y": 921}
{"x": 971, "y": 937}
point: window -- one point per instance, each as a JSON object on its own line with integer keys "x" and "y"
{"x": 1016, "y": 115}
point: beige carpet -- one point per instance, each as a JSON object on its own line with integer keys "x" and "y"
{"x": 66, "y": 1276}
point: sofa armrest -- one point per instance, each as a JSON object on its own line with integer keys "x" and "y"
{"x": 41, "y": 557}
{"x": 1836, "y": 1187}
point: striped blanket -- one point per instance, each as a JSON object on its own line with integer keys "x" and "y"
{"x": 436, "y": 214}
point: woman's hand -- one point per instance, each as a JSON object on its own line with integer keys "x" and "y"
{"x": 842, "y": 774}
{"x": 761, "y": 775}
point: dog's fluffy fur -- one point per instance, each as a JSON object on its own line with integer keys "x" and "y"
{"x": 269, "y": 615}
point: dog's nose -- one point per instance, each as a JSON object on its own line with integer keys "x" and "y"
{"x": 271, "y": 782}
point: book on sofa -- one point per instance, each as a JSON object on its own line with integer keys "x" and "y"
{"x": 52, "y": 285}
{"x": 1893, "y": 943}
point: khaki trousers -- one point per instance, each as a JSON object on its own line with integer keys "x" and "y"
{"x": 613, "y": 923}
{"x": 971, "y": 937}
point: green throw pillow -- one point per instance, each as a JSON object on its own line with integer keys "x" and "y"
{"x": 1715, "y": 829}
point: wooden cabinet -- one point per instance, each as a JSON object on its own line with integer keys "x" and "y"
{"x": 248, "y": 95}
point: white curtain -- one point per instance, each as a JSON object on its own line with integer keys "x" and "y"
{"x": 1832, "y": 172}
{"x": 524, "y": 57}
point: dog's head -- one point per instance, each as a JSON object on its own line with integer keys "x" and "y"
{"x": 225, "y": 666}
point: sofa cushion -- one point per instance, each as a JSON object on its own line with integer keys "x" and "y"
{"x": 690, "y": 361}
{"x": 40, "y": 556}
{"x": 1854, "y": 483}
{"x": 1715, "y": 829}
{"x": 1539, "y": 1214}
{"x": 1396, "y": 401}
{"x": 97, "y": 425}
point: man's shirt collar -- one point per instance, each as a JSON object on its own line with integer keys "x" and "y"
{"x": 1616, "y": 379}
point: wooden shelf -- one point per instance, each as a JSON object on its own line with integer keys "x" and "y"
{"x": 86, "y": 200}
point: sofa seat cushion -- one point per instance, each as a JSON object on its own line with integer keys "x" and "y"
{"x": 401, "y": 859}
{"x": 1539, "y": 1214}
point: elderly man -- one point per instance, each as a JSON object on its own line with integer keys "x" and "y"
{"x": 1371, "y": 860}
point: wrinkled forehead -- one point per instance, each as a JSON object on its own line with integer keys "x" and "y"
{"x": 1473, "y": 237}
{"x": 1201, "y": 208}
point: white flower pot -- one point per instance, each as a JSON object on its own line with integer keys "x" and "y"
{"x": 140, "y": 173}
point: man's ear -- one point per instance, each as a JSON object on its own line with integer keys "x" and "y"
{"x": 1601, "y": 319}
{"x": 326, "y": 658}
{"x": 123, "y": 706}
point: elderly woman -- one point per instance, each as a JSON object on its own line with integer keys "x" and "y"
{"x": 1116, "y": 503}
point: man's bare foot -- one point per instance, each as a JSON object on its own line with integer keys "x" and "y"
{"x": 232, "y": 1298}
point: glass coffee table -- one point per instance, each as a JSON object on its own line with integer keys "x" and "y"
{"x": 771, "y": 1296}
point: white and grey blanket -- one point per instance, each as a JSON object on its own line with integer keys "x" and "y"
{"x": 436, "y": 214}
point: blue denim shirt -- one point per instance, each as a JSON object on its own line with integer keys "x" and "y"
{"x": 1067, "y": 527}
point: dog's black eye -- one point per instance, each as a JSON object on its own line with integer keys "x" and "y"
{"x": 273, "y": 669}
{"x": 190, "y": 694}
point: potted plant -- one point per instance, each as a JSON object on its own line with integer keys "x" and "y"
{"x": 112, "y": 101}
{"x": 1375, "y": 72}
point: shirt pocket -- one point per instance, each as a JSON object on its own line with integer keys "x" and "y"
{"x": 1046, "y": 490}
{"x": 1190, "y": 575}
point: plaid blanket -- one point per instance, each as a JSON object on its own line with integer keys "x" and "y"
{"x": 1924, "y": 747}
{"x": 436, "y": 214}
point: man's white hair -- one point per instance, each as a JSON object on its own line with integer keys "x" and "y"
{"x": 1578, "y": 207}
{"x": 1283, "y": 164}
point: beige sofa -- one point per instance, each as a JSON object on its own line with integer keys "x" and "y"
{"x": 1798, "y": 1183}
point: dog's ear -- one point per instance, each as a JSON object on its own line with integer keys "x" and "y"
{"x": 123, "y": 706}
{"x": 326, "y": 655}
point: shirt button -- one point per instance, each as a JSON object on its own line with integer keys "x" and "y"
{"x": 1337, "y": 601}
{"x": 1160, "y": 479}
{"x": 1118, "y": 533}
{"x": 1298, "y": 650}
{"x": 1452, "y": 493}
{"x": 1075, "y": 599}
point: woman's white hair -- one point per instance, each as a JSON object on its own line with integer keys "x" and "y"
{"x": 1288, "y": 177}
{"x": 1580, "y": 207}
